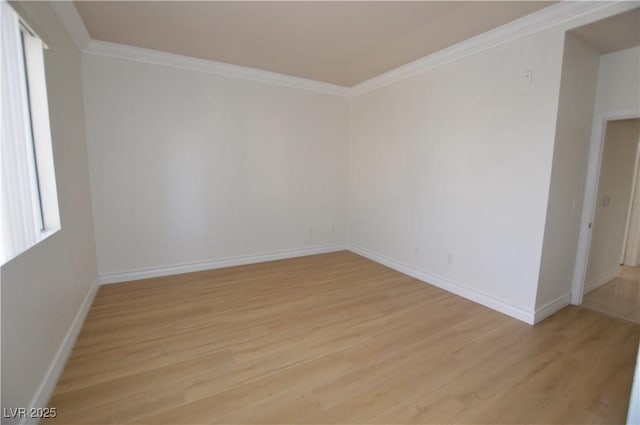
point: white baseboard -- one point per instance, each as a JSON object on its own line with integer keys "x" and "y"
{"x": 598, "y": 282}
{"x": 217, "y": 264}
{"x": 552, "y": 306}
{"x": 48, "y": 384}
{"x": 449, "y": 285}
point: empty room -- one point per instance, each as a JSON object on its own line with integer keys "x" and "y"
{"x": 320, "y": 212}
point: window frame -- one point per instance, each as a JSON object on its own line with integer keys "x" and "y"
{"x": 33, "y": 156}
{"x": 31, "y": 182}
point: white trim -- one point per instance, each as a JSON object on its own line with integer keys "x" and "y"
{"x": 156, "y": 57}
{"x": 216, "y": 264}
{"x": 601, "y": 280}
{"x": 557, "y": 14}
{"x": 552, "y": 307}
{"x": 548, "y": 17}
{"x": 43, "y": 394}
{"x": 632, "y": 197}
{"x": 70, "y": 18}
{"x": 448, "y": 285}
{"x": 590, "y": 194}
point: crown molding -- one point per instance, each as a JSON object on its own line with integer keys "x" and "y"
{"x": 68, "y": 14}
{"x": 575, "y": 12}
{"x": 70, "y": 18}
{"x": 569, "y": 14}
{"x": 138, "y": 54}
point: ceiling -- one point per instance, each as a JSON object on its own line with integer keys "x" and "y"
{"x": 615, "y": 33}
{"x": 343, "y": 43}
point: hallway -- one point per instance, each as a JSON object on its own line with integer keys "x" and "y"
{"x": 620, "y": 297}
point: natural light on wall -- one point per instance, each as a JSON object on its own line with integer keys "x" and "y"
{"x": 29, "y": 202}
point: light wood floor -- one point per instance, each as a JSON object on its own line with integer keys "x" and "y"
{"x": 335, "y": 338}
{"x": 620, "y": 297}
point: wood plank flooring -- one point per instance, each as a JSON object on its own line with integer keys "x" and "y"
{"x": 335, "y": 338}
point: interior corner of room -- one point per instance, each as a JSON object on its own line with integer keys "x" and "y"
{"x": 502, "y": 169}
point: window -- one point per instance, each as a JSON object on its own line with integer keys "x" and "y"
{"x": 29, "y": 202}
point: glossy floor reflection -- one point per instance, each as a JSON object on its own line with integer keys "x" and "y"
{"x": 620, "y": 297}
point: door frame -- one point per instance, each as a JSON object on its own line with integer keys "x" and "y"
{"x": 596, "y": 146}
{"x": 632, "y": 196}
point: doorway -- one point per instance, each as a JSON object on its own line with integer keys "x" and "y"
{"x": 612, "y": 279}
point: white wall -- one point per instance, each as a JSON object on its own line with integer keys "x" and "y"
{"x": 187, "y": 167}
{"x": 192, "y": 167}
{"x": 43, "y": 288}
{"x": 456, "y": 161}
{"x": 617, "y": 97}
{"x": 615, "y": 182}
{"x": 570, "y": 156}
{"x": 618, "y": 87}
{"x": 633, "y": 414}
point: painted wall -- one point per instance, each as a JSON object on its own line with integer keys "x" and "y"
{"x": 617, "y": 96}
{"x": 633, "y": 414}
{"x": 191, "y": 167}
{"x": 43, "y": 288}
{"x": 618, "y": 85}
{"x": 570, "y": 156}
{"x": 616, "y": 179}
{"x": 449, "y": 169}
